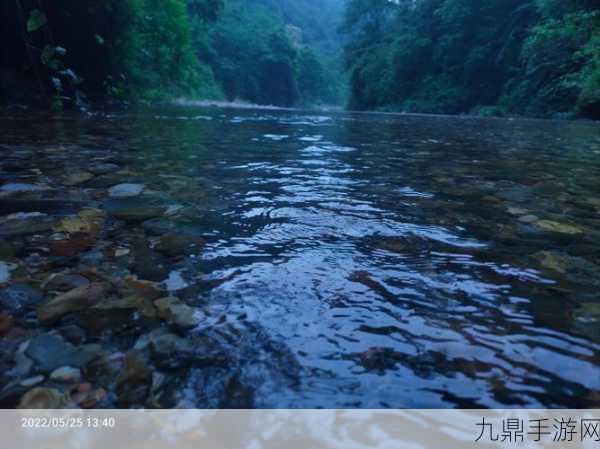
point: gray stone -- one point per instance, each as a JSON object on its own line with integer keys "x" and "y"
{"x": 66, "y": 374}
{"x": 134, "y": 209}
{"x": 125, "y": 190}
{"x": 15, "y": 187}
{"x": 64, "y": 282}
{"x": 17, "y": 296}
{"x": 25, "y": 224}
{"x": 50, "y": 352}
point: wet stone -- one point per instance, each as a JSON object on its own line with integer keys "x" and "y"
{"x": 528, "y": 218}
{"x": 174, "y": 245}
{"x": 148, "y": 264}
{"x": 71, "y": 247}
{"x": 174, "y": 311}
{"x": 134, "y": 209}
{"x": 9, "y": 250}
{"x": 65, "y": 282}
{"x": 4, "y": 272}
{"x": 25, "y": 224}
{"x": 50, "y": 352}
{"x": 6, "y": 323}
{"x": 553, "y": 226}
{"x": 66, "y": 374}
{"x": 74, "y": 300}
{"x": 102, "y": 169}
{"x": 43, "y": 398}
{"x": 18, "y": 296}
{"x": 77, "y": 178}
{"x": 167, "y": 349}
{"x": 126, "y": 190}
{"x": 14, "y": 187}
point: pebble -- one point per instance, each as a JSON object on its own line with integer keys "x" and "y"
{"x": 4, "y": 273}
{"x": 32, "y": 381}
{"x": 125, "y": 190}
{"x": 43, "y": 398}
{"x": 18, "y": 296}
{"x": 66, "y": 374}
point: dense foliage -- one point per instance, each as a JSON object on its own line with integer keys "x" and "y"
{"x": 535, "y": 57}
{"x": 254, "y": 50}
{"x": 259, "y": 52}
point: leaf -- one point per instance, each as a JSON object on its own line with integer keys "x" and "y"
{"x": 37, "y": 19}
{"x": 99, "y": 39}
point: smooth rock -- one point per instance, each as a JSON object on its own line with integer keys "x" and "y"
{"x": 32, "y": 381}
{"x": 43, "y": 398}
{"x": 176, "y": 282}
{"x": 133, "y": 209}
{"x": 71, "y": 247}
{"x": 6, "y": 323}
{"x": 135, "y": 380}
{"x": 164, "y": 344}
{"x": 4, "y": 273}
{"x": 528, "y": 218}
{"x": 66, "y": 374}
{"x": 15, "y": 187}
{"x": 65, "y": 282}
{"x": 75, "y": 300}
{"x": 17, "y": 296}
{"x": 174, "y": 311}
{"x": 50, "y": 352}
{"x": 130, "y": 286}
{"x": 8, "y": 250}
{"x": 87, "y": 221}
{"x": 102, "y": 169}
{"x": 148, "y": 265}
{"x": 26, "y": 224}
{"x": 562, "y": 228}
{"x": 173, "y": 245}
{"x": 125, "y": 190}
{"x": 76, "y": 178}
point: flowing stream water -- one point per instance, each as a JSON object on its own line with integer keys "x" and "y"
{"x": 351, "y": 260}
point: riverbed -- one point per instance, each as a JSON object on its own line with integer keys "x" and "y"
{"x": 222, "y": 257}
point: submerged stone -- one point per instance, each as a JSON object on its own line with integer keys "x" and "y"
{"x": 87, "y": 221}
{"x": 4, "y": 273}
{"x": 174, "y": 311}
{"x": 43, "y": 398}
{"x": 71, "y": 247}
{"x": 553, "y": 226}
{"x": 73, "y": 301}
{"x": 17, "y": 296}
{"x": 174, "y": 245}
{"x": 101, "y": 169}
{"x": 65, "y": 282}
{"x": 76, "y": 178}
{"x": 15, "y": 187}
{"x": 26, "y": 224}
{"x": 125, "y": 190}
{"x": 66, "y": 374}
{"x": 134, "y": 209}
{"x": 50, "y": 352}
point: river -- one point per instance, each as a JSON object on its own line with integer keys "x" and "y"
{"x": 350, "y": 260}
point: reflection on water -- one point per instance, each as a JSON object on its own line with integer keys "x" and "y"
{"x": 364, "y": 260}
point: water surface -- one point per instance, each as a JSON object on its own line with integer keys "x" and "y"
{"x": 370, "y": 260}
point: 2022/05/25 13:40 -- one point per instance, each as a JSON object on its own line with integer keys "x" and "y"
{"x": 78, "y": 423}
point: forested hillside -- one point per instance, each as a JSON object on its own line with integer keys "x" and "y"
{"x": 490, "y": 57}
{"x": 270, "y": 52}
{"x": 531, "y": 57}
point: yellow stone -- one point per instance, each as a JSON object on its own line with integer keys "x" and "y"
{"x": 554, "y": 226}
